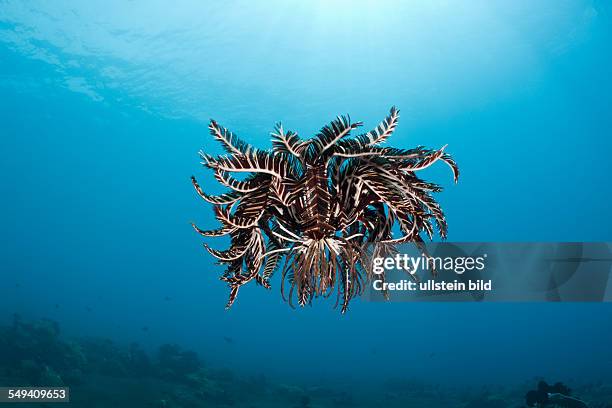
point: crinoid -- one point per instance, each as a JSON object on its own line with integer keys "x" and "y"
{"x": 308, "y": 207}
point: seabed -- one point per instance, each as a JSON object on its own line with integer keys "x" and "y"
{"x": 102, "y": 373}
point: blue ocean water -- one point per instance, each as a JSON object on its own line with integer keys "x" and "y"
{"x": 104, "y": 106}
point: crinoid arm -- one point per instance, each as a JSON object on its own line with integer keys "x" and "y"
{"x": 310, "y": 207}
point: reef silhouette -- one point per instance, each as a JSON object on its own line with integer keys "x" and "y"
{"x": 104, "y": 372}
{"x": 557, "y": 395}
{"x": 317, "y": 203}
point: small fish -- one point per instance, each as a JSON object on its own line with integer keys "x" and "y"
{"x": 145, "y": 328}
{"x": 228, "y": 340}
{"x": 89, "y": 309}
{"x": 57, "y": 305}
{"x": 167, "y": 298}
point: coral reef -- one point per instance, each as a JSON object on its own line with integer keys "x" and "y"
{"x": 35, "y": 354}
{"x": 177, "y": 363}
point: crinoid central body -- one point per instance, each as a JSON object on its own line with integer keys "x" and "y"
{"x": 309, "y": 207}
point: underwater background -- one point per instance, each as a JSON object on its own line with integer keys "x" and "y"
{"x": 104, "y": 106}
